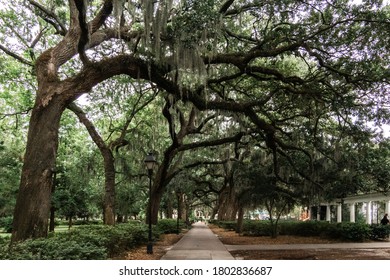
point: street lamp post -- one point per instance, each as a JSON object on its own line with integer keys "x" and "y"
{"x": 150, "y": 161}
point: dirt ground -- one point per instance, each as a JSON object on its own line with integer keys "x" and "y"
{"x": 159, "y": 249}
{"x": 232, "y": 238}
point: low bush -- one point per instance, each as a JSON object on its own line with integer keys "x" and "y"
{"x": 115, "y": 239}
{"x": 6, "y": 224}
{"x": 56, "y": 249}
{"x": 92, "y": 242}
{"x": 380, "y": 232}
{"x": 307, "y": 228}
{"x": 257, "y": 228}
{"x": 87, "y": 242}
{"x": 228, "y": 225}
{"x": 166, "y": 226}
{"x": 356, "y": 232}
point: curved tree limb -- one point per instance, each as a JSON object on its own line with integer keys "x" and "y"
{"x": 16, "y": 56}
{"x": 50, "y": 18}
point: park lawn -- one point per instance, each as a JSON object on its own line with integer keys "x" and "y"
{"x": 61, "y": 228}
{"x": 3, "y": 233}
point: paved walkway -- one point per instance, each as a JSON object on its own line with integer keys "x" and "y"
{"x": 200, "y": 243}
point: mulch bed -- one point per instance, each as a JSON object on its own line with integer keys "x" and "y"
{"x": 232, "y": 238}
{"x": 159, "y": 249}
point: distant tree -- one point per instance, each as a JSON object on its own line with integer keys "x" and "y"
{"x": 10, "y": 165}
{"x": 262, "y": 187}
{"x": 70, "y": 198}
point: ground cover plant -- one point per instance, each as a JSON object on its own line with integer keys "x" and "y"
{"x": 85, "y": 242}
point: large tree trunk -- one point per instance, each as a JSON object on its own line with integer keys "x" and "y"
{"x": 183, "y": 207}
{"x": 34, "y": 198}
{"x": 33, "y": 203}
{"x": 109, "y": 194}
{"x": 156, "y": 200}
{"x": 169, "y": 210}
{"x": 240, "y": 220}
{"x": 228, "y": 208}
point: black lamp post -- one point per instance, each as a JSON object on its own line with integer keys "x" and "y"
{"x": 150, "y": 161}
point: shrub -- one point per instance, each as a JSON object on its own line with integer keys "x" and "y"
{"x": 93, "y": 242}
{"x": 228, "y": 225}
{"x": 4, "y": 245}
{"x": 115, "y": 239}
{"x": 380, "y": 232}
{"x": 307, "y": 228}
{"x": 257, "y": 228}
{"x": 53, "y": 249}
{"x": 6, "y": 224}
{"x": 349, "y": 231}
{"x": 169, "y": 226}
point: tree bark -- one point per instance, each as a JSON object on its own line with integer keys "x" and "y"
{"x": 33, "y": 202}
{"x": 169, "y": 210}
{"x": 182, "y": 207}
{"x": 227, "y": 205}
{"x": 109, "y": 194}
{"x": 109, "y": 166}
{"x": 156, "y": 200}
{"x": 240, "y": 220}
{"x": 52, "y": 208}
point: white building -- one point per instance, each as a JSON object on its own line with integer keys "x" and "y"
{"x": 371, "y": 206}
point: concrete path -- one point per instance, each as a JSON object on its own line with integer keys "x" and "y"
{"x": 200, "y": 243}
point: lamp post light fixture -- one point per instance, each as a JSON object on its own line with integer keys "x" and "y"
{"x": 150, "y": 161}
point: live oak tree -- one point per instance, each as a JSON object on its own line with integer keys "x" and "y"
{"x": 277, "y": 64}
{"x": 77, "y": 182}
{"x": 108, "y": 147}
{"x": 190, "y": 131}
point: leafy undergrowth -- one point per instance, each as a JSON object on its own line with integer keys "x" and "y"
{"x": 232, "y": 238}
{"x": 93, "y": 242}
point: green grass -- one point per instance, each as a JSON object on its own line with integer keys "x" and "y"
{"x": 61, "y": 228}
{"x": 3, "y": 233}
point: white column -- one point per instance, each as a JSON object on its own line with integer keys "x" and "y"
{"x": 311, "y": 213}
{"x": 387, "y": 207}
{"x": 368, "y": 212}
{"x": 352, "y": 212}
{"x": 307, "y": 213}
{"x": 339, "y": 213}
{"x": 318, "y": 213}
{"x": 328, "y": 213}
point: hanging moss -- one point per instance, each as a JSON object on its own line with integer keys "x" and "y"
{"x": 118, "y": 10}
{"x": 178, "y": 35}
